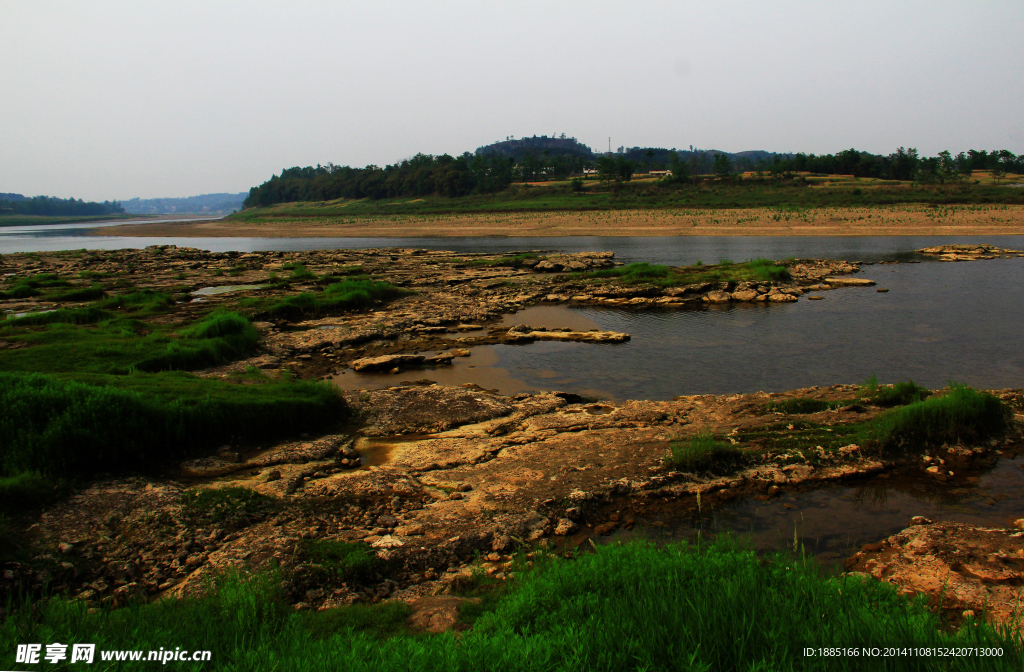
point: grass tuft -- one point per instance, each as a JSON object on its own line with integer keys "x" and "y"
{"x": 702, "y": 453}
{"x": 963, "y": 415}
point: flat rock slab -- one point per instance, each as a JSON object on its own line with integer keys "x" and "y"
{"x": 417, "y": 410}
{"x": 971, "y": 569}
{"x": 520, "y": 336}
{"x": 849, "y": 282}
{"x": 386, "y": 362}
{"x": 437, "y": 613}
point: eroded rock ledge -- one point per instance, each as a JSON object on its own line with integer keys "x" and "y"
{"x": 966, "y": 570}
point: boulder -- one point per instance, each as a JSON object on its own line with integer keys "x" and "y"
{"x": 745, "y": 295}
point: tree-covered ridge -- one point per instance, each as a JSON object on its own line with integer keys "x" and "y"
{"x": 422, "y": 175}
{"x": 50, "y": 207}
{"x": 553, "y": 146}
{"x": 494, "y": 167}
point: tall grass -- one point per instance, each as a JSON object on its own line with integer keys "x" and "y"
{"x": 62, "y": 428}
{"x": 220, "y": 337}
{"x": 767, "y": 270}
{"x": 702, "y": 453}
{"x": 625, "y": 607}
{"x": 963, "y": 415}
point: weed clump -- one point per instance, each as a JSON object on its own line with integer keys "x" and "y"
{"x": 703, "y": 453}
{"x": 350, "y": 294}
{"x": 145, "y": 300}
{"x": 338, "y": 561}
{"x": 900, "y": 394}
{"x": 69, "y": 429}
{"x": 229, "y": 508}
{"x": 963, "y": 415}
{"x": 767, "y": 270}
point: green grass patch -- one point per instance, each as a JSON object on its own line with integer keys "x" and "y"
{"x": 963, "y": 415}
{"x": 82, "y": 294}
{"x": 333, "y": 562}
{"x": 146, "y": 300}
{"x": 122, "y": 424}
{"x": 350, "y": 294}
{"x": 512, "y": 261}
{"x": 91, "y": 340}
{"x": 703, "y": 452}
{"x": 379, "y": 621}
{"x": 756, "y": 270}
{"x": 228, "y": 508}
{"x": 633, "y": 606}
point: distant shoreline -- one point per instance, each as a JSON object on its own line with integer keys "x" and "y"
{"x": 904, "y": 220}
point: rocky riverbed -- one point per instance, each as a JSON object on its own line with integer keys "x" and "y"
{"x": 437, "y": 480}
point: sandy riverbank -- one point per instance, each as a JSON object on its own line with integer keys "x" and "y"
{"x": 915, "y": 220}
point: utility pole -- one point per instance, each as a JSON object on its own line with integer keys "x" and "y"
{"x": 609, "y": 144}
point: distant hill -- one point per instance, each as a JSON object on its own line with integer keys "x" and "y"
{"x": 211, "y": 204}
{"x": 655, "y": 157}
{"x": 537, "y": 145}
{"x": 11, "y": 197}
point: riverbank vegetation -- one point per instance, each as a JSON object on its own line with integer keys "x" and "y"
{"x": 104, "y": 386}
{"x": 492, "y": 170}
{"x": 624, "y": 607}
{"x": 793, "y": 195}
{"x": 915, "y": 421}
{"x": 755, "y": 270}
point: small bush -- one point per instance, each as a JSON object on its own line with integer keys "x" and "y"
{"x": 702, "y": 453}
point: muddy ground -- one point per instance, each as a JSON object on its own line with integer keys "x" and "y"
{"x": 436, "y": 480}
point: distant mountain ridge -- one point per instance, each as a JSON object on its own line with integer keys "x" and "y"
{"x": 213, "y": 204}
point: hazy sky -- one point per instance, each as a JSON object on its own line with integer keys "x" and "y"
{"x": 105, "y": 100}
